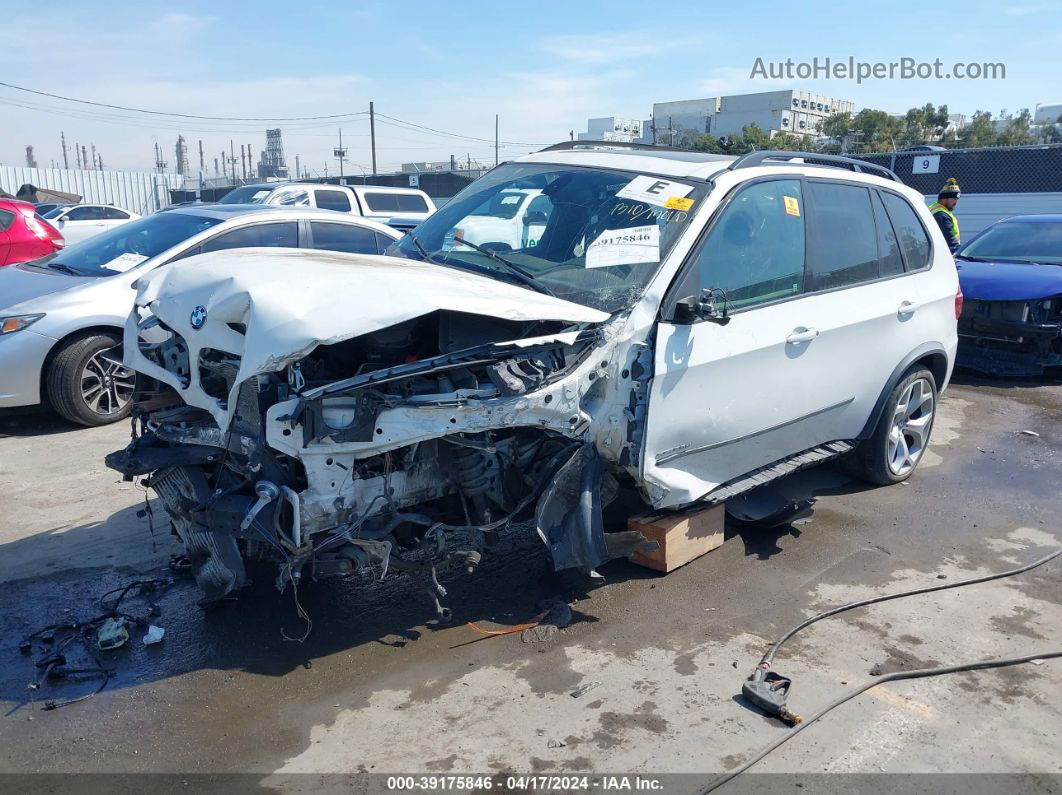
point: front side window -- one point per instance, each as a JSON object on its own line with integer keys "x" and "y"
{"x": 842, "y": 239}
{"x": 914, "y": 242}
{"x": 604, "y": 236}
{"x": 85, "y": 214}
{"x": 290, "y": 197}
{"x": 754, "y": 252}
{"x": 332, "y": 200}
{"x": 343, "y": 237}
{"x": 282, "y": 235}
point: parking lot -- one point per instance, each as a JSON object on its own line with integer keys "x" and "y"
{"x": 380, "y": 688}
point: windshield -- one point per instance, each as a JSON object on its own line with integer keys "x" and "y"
{"x": 126, "y": 246}
{"x": 248, "y": 194}
{"x": 1020, "y": 241}
{"x": 597, "y": 240}
{"x": 501, "y": 205}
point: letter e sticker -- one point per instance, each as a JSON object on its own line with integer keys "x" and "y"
{"x": 650, "y": 190}
{"x": 792, "y": 206}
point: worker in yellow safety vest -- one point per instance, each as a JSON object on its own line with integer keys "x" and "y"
{"x": 943, "y": 210}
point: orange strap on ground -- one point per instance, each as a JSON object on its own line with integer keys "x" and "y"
{"x": 533, "y": 622}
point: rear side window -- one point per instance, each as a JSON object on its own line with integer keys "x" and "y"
{"x": 279, "y": 235}
{"x": 842, "y": 239}
{"x": 755, "y": 251}
{"x": 890, "y": 261}
{"x": 114, "y": 214}
{"x": 6, "y": 219}
{"x": 396, "y": 203}
{"x": 344, "y": 237}
{"x": 332, "y": 200}
{"x": 914, "y": 242}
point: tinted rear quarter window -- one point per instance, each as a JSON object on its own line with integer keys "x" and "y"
{"x": 842, "y": 239}
{"x": 332, "y": 200}
{"x": 280, "y": 235}
{"x": 6, "y": 219}
{"x": 114, "y": 214}
{"x": 914, "y": 242}
{"x": 396, "y": 203}
{"x": 344, "y": 237}
{"x": 890, "y": 261}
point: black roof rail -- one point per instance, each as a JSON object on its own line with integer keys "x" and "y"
{"x": 568, "y": 145}
{"x": 833, "y": 161}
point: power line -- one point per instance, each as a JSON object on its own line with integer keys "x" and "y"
{"x": 182, "y": 115}
{"x": 455, "y": 135}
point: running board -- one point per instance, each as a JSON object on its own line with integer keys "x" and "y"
{"x": 786, "y": 466}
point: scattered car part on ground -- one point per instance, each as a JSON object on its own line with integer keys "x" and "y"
{"x": 59, "y": 314}
{"x": 24, "y": 235}
{"x": 644, "y": 342}
{"x": 1011, "y": 278}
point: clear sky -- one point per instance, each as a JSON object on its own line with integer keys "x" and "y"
{"x": 543, "y": 66}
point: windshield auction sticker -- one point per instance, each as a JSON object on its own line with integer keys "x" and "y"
{"x": 625, "y": 247}
{"x": 653, "y": 190}
{"x": 124, "y": 262}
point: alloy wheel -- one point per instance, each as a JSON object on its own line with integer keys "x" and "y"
{"x": 911, "y": 424}
{"x": 106, "y": 386}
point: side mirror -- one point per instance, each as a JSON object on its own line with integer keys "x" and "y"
{"x": 693, "y": 308}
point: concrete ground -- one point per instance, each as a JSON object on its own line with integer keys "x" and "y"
{"x": 379, "y": 688}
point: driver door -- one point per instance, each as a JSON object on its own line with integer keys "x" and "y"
{"x": 725, "y": 400}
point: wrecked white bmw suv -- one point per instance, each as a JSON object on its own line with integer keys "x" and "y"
{"x": 685, "y": 325}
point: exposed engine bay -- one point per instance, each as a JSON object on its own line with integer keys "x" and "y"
{"x": 403, "y": 448}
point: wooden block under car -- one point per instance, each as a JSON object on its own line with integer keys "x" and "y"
{"x": 680, "y": 537}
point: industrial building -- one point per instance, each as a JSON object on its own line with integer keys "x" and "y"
{"x": 796, "y": 112}
{"x": 612, "y": 128}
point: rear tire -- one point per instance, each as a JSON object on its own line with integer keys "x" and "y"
{"x": 901, "y": 436}
{"x": 85, "y": 388}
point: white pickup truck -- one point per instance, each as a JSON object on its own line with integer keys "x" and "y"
{"x": 515, "y": 218}
{"x": 371, "y": 201}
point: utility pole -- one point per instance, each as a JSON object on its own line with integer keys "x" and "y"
{"x": 94, "y": 156}
{"x": 77, "y": 154}
{"x": 160, "y": 164}
{"x": 372, "y": 136}
{"x": 298, "y": 172}
{"x": 340, "y": 154}
{"x": 243, "y": 162}
{"x": 62, "y": 137}
{"x": 217, "y": 171}
{"x": 495, "y": 139}
{"x": 84, "y": 157}
{"x": 201, "y": 166}
{"x": 453, "y": 163}
{"x": 468, "y": 158}
{"x": 232, "y": 160}
{"x": 250, "y": 162}
{"x": 99, "y": 159}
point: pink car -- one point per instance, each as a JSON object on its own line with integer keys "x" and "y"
{"x": 23, "y": 235}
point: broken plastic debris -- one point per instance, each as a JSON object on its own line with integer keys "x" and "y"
{"x": 556, "y": 744}
{"x": 1037, "y": 662}
{"x": 1030, "y": 433}
{"x": 112, "y": 634}
{"x": 154, "y": 635}
{"x": 582, "y": 690}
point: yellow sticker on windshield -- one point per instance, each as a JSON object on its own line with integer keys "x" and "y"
{"x": 678, "y": 204}
{"x": 792, "y": 207}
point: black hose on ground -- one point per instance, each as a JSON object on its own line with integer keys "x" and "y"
{"x": 770, "y": 691}
{"x": 880, "y": 680}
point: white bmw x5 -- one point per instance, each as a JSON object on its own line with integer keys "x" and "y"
{"x": 685, "y": 325}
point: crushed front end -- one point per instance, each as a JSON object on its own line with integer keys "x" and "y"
{"x": 1011, "y": 338}
{"x": 329, "y": 445}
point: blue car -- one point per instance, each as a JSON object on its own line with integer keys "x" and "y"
{"x": 1011, "y": 279}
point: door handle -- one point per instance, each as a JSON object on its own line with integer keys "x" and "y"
{"x": 802, "y": 334}
{"x": 908, "y": 307}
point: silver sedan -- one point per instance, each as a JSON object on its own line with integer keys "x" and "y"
{"x": 59, "y": 314}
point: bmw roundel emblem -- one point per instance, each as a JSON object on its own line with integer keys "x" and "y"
{"x": 199, "y": 315}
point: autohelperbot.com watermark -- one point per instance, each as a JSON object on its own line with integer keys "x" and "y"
{"x": 901, "y": 69}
